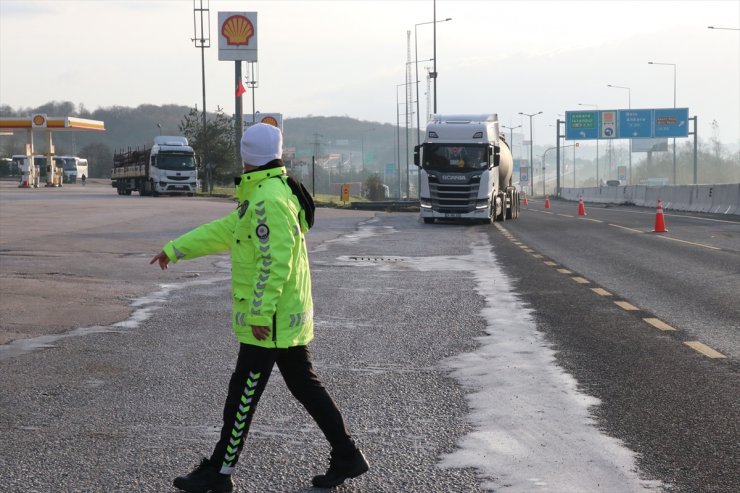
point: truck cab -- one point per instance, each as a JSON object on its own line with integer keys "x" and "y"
{"x": 465, "y": 169}
{"x": 173, "y": 166}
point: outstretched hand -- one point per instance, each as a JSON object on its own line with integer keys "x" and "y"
{"x": 163, "y": 260}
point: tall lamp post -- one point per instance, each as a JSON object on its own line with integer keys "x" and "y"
{"x": 398, "y": 126}
{"x": 531, "y": 147}
{"x": 629, "y": 107}
{"x": 725, "y": 28}
{"x": 511, "y": 134}
{"x": 416, "y": 63}
{"x": 597, "y": 142}
{"x": 674, "y": 105}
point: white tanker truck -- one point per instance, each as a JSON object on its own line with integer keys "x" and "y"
{"x": 465, "y": 170}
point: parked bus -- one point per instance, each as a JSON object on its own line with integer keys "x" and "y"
{"x": 74, "y": 167}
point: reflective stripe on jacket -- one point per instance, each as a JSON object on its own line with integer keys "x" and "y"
{"x": 271, "y": 281}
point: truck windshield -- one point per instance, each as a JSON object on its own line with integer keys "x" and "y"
{"x": 454, "y": 157}
{"x": 176, "y": 162}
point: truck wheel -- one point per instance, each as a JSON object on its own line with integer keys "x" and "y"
{"x": 428, "y": 220}
{"x": 509, "y": 212}
{"x": 502, "y": 216}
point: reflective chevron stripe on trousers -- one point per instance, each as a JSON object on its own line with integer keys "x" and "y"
{"x": 248, "y": 382}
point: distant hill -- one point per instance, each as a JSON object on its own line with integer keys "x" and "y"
{"x": 131, "y": 127}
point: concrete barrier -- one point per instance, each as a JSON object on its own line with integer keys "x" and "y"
{"x": 716, "y": 199}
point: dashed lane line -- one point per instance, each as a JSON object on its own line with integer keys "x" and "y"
{"x": 625, "y": 227}
{"x": 658, "y": 324}
{"x": 655, "y": 322}
{"x": 565, "y": 215}
{"x": 601, "y": 291}
{"x": 594, "y": 220}
{"x": 705, "y": 350}
{"x": 626, "y": 306}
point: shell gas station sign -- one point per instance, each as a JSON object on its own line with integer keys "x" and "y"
{"x": 237, "y": 36}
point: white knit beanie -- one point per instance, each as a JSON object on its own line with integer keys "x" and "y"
{"x": 261, "y": 143}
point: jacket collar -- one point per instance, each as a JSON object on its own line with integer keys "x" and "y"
{"x": 251, "y": 178}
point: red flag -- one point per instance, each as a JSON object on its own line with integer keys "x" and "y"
{"x": 240, "y": 89}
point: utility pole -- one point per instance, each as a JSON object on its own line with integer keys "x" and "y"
{"x": 202, "y": 40}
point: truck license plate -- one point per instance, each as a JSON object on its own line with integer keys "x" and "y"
{"x": 452, "y": 214}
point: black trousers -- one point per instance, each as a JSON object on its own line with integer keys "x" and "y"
{"x": 248, "y": 382}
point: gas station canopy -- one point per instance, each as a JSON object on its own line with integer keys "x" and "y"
{"x": 55, "y": 123}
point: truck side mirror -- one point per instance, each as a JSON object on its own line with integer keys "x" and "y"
{"x": 496, "y": 155}
{"x": 416, "y": 154}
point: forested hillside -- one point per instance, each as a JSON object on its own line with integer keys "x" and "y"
{"x": 132, "y": 127}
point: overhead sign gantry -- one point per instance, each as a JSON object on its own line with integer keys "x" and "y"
{"x": 47, "y": 124}
{"x": 626, "y": 124}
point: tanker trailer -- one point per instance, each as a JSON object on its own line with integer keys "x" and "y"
{"x": 465, "y": 170}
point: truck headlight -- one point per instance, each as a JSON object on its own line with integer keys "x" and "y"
{"x": 481, "y": 204}
{"x": 426, "y": 203}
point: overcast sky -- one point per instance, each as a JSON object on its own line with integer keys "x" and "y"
{"x": 346, "y": 58}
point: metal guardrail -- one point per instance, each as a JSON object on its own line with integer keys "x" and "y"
{"x": 387, "y": 205}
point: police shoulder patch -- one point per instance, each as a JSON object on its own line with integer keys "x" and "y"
{"x": 262, "y": 231}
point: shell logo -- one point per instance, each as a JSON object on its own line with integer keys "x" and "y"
{"x": 237, "y": 30}
{"x": 39, "y": 120}
{"x": 269, "y": 120}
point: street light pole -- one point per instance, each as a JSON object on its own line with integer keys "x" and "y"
{"x": 511, "y": 133}
{"x": 674, "y": 105}
{"x": 629, "y": 106}
{"x": 725, "y": 28}
{"x": 416, "y": 64}
{"x": 531, "y": 147}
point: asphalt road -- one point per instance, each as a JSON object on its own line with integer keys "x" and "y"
{"x": 128, "y": 406}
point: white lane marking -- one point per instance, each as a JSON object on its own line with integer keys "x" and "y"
{"x": 625, "y": 227}
{"x": 689, "y": 242}
{"x": 668, "y": 214}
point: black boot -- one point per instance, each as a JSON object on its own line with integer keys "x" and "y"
{"x": 341, "y": 468}
{"x": 204, "y": 479}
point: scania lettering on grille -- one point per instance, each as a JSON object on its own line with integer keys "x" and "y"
{"x": 454, "y": 178}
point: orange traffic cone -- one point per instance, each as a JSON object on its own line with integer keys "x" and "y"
{"x": 547, "y": 202}
{"x": 659, "y": 219}
{"x": 581, "y": 206}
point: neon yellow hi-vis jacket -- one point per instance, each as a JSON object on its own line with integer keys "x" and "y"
{"x": 271, "y": 281}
